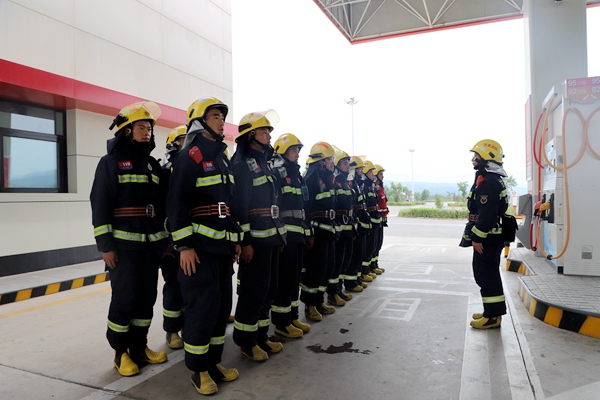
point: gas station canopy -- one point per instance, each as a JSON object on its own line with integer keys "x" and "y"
{"x": 367, "y": 20}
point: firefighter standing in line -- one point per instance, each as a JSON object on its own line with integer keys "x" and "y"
{"x": 207, "y": 239}
{"x": 487, "y": 202}
{"x": 344, "y": 216}
{"x": 264, "y": 234}
{"x": 383, "y": 209}
{"x": 291, "y": 188}
{"x": 125, "y": 197}
{"x": 319, "y": 210}
{"x": 352, "y": 279}
{"x": 169, "y": 264}
{"x": 368, "y": 265}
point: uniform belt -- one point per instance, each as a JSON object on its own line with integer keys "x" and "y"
{"x": 293, "y": 213}
{"x": 360, "y": 206}
{"x": 272, "y": 212}
{"x": 147, "y": 211}
{"x": 329, "y": 214}
{"x": 472, "y": 217}
{"x": 220, "y": 209}
{"x": 344, "y": 213}
{"x": 372, "y": 209}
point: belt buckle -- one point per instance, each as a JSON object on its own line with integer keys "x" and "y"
{"x": 222, "y": 211}
{"x": 331, "y": 214}
{"x": 274, "y": 211}
{"x": 350, "y": 213}
{"x": 345, "y": 219}
{"x": 150, "y": 210}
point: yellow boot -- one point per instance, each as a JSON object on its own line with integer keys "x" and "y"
{"x": 271, "y": 347}
{"x": 174, "y": 341}
{"x": 220, "y": 373}
{"x": 124, "y": 364}
{"x": 148, "y": 356}
{"x": 325, "y": 309}
{"x": 301, "y": 325}
{"x": 487, "y": 323}
{"x": 336, "y": 300}
{"x": 312, "y": 313}
{"x": 255, "y": 353}
{"x": 289, "y": 331}
{"x": 366, "y": 278}
{"x": 477, "y": 315}
{"x": 203, "y": 383}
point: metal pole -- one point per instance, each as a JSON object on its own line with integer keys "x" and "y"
{"x": 412, "y": 172}
{"x": 352, "y": 102}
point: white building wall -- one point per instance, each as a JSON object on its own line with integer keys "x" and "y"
{"x": 168, "y": 51}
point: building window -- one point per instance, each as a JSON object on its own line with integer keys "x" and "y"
{"x": 33, "y": 147}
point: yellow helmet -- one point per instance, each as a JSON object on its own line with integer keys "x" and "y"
{"x": 285, "y": 141}
{"x": 378, "y": 169}
{"x": 368, "y": 166}
{"x": 320, "y": 151}
{"x": 489, "y": 150}
{"x": 176, "y": 134}
{"x": 356, "y": 162}
{"x": 258, "y": 119}
{"x": 199, "y": 108}
{"x": 140, "y": 111}
{"x": 339, "y": 155}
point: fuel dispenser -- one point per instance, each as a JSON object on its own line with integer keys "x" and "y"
{"x": 565, "y": 225}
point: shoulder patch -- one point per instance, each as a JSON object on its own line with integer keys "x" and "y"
{"x": 208, "y": 166}
{"x": 253, "y": 165}
{"x": 283, "y": 172}
{"x": 195, "y": 154}
{"x": 483, "y": 199}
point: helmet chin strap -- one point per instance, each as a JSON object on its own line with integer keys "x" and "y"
{"x": 265, "y": 147}
{"x": 218, "y": 137}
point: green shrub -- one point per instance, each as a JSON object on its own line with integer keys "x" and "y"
{"x": 438, "y": 201}
{"x": 433, "y": 213}
{"x": 458, "y": 204}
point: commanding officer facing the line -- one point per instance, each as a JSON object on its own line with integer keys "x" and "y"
{"x": 264, "y": 234}
{"x": 487, "y": 202}
{"x": 128, "y": 214}
{"x": 206, "y": 236}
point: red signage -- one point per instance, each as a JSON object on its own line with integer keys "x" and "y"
{"x": 583, "y": 89}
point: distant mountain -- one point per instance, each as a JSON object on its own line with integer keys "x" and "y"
{"x": 442, "y": 188}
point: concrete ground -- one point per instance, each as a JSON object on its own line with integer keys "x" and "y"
{"x": 405, "y": 337}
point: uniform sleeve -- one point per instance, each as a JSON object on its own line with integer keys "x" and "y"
{"x": 243, "y": 191}
{"x": 489, "y": 202}
{"x": 103, "y": 199}
{"x": 181, "y": 187}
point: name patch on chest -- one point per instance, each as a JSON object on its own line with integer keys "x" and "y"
{"x": 208, "y": 166}
{"x": 125, "y": 165}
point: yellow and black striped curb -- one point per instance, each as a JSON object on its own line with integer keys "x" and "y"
{"x": 52, "y": 288}
{"x": 559, "y": 317}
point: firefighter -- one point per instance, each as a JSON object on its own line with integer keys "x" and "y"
{"x": 487, "y": 202}
{"x": 125, "y": 198}
{"x": 207, "y": 239}
{"x": 264, "y": 234}
{"x": 292, "y": 189}
{"x": 383, "y": 209}
{"x": 352, "y": 279}
{"x": 169, "y": 265}
{"x": 321, "y": 215}
{"x": 344, "y": 217}
{"x": 368, "y": 265}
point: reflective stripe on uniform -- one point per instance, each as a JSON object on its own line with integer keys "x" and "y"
{"x": 324, "y": 227}
{"x": 291, "y": 189}
{"x": 262, "y": 234}
{"x": 261, "y": 180}
{"x": 325, "y": 195}
{"x": 217, "y": 340}
{"x": 294, "y": 228}
{"x": 295, "y": 303}
{"x": 334, "y": 281}
{"x": 264, "y": 322}
{"x": 209, "y": 181}
{"x": 182, "y": 233}
{"x": 131, "y": 236}
{"x": 244, "y": 327}
{"x": 172, "y": 314}
{"x": 307, "y": 289}
{"x": 322, "y": 289}
{"x": 198, "y": 350}
{"x": 144, "y": 323}
{"x": 116, "y": 327}
{"x": 493, "y": 299}
{"x": 131, "y": 178}
{"x": 103, "y": 229}
{"x": 479, "y": 233}
{"x": 375, "y": 220}
{"x": 155, "y": 179}
{"x": 281, "y": 310}
{"x": 155, "y": 237}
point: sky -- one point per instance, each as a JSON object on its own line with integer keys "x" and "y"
{"x": 437, "y": 93}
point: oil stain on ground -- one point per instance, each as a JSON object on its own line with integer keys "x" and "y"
{"x": 345, "y": 348}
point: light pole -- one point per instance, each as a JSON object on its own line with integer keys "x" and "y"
{"x": 352, "y": 102}
{"x": 412, "y": 172}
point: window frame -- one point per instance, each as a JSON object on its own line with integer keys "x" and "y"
{"x": 59, "y": 137}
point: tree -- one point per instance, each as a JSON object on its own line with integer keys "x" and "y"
{"x": 438, "y": 201}
{"x": 462, "y": 188}
{"x": 425, "y": 194}
{"x": 510, "y": 183}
